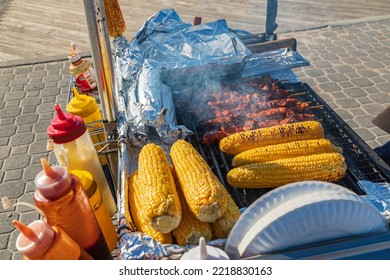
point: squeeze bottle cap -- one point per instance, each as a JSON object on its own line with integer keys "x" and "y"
{"x": 81, "y": 104}
{"x": 52, "y": 182}
{"x": 33, "y": 239}
{"x": 74, "y": 55}
{"x": 205, "y": 252}
{"x": 65, "y": 127}
{"x": 86, "y": 179}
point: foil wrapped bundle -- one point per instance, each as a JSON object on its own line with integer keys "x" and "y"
{"x": 164, "y": 51}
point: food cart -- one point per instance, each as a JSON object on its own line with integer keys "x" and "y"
{"x": 255, "y": 56}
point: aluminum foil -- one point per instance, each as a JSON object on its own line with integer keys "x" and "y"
{"x": 273, "y": 63}
{"x": 163, "y": 50}
{"x": 379, "y": 195}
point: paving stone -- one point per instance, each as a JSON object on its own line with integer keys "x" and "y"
{"x": 4, "y": 241}
{"x": 364, "y": 100}
{"x": 377, "y": 98}
{"x": 27, "y": 197}
{"x": 32, "y": 93}
{"x": 41, "y": 125}
{"x": 52, "y": 78}
{"x": 31, "y": 101}
{"x": 22, "y": 139}
{"x": 31, "y": 171}
{"x": 55, "y": 66}
{"x": 329, "y": 87}
{"x": 34, "y": 86}
{"x": 7, "y": 77}
{"x": 50, "y": 92}
{"x": 10, "y": 111}
{"x": 23, "y": 69}
{"x": 374, "y": 65}
{"x": 365, "y": 134}
{"x": 24, "y": 128}
{"x": 7, "y": 121}
{"x": 27, "y": 119}
{"x": 355, "y": 92}
{"x": 4, "y": 89}
{"x": 7, "y": 130}
{"x": 373, "y": 108}
{"x": 361, "y": 82}
{"x": 18, "y": 150}
{"x": 15, "y": 95}
{"x": 13, "y": 175}
{"x": 384, "y": 87}
{"x": 6, "y": 225}
{"x": 16, "y": 162}
{"x": 28, "y": 110}
{"x": 5, "y": 255}
{"x": 37, "y": 74}
{"x": 19, "y": 82}
{"x": 4, "y": 152}
{"x": 38, "y": 147}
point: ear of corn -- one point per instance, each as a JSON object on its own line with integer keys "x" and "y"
{"x": 322, "y": 167}
{"x": 158, "y": 197}
{"x": 222, "y": 226}
{"x": 285, "y": 150}
{"x": 205, "y": 195}
{"x": 243, "y": 141}
{"x": 138, "y": 216}
{"x": 190, "y": 229}
{"x": 115, "y": 22}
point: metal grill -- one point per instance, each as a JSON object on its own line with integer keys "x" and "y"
{"x": 362, "y": 162}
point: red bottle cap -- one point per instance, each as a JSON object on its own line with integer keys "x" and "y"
{"x": 65, "y": 127}
{"x": 52, "y": 182}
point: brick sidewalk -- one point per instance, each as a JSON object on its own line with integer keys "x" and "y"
{"x": 350, "y": 70}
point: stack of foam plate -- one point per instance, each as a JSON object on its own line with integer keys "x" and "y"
{"x": 299, "y": 214}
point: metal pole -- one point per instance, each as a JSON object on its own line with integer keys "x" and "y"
{"x": 102, "y": 57}
{"x": 103, "y": 64}
{"x": 270, "y": 23}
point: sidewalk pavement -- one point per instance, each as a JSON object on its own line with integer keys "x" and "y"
{"x": 350, "y": 70}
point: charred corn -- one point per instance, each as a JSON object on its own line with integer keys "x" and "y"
{"x": 246, "y": 140}
{"x": 285, "y": 150}
{"x": 158, "y": 197}
{"x": 222, "y": 226}
{"x": 205, "y": 195}
{"x": 116, "y": 24}
{"x": 321, "y": 167}
{"x": 138, "y": 216}
{"x": 190, "y": 228}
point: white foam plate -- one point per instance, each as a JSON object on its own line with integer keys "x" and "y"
{"x": 274, "y": 198}
{"x": 306, "y": 219}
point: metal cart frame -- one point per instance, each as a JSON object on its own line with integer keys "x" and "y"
{"x": 117, "y": 145}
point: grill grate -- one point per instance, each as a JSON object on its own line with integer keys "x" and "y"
{"x": 362, "y": 162}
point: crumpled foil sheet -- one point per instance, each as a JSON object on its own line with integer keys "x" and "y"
{"x": 158, "y": 53}
{"x": 379, "y": 195}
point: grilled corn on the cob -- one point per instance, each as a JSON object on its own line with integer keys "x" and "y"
{"x": 138, "y": 216}
{"x": 190, "y": 228}
{"x": 116, "y": 24}
{"x": 285, "y": 150}
{"x": 243, "y": 141}
{"x": 158, "y": 197}
{"x": 205, "y": 195}
{"x": 222, "y": 226}
{"x": 322, "y": 167}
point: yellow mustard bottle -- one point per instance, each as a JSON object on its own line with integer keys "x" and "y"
{"x": 99, "y": 206}
{"x": 86, "y": 107}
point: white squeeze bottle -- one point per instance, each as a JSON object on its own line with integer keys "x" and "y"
{"x": 205, "y": 252}
{"x": 75, "y": 150}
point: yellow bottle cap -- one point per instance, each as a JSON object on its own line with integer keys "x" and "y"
{"x": 81, "y": 105}
{"x": 86, "y": 178}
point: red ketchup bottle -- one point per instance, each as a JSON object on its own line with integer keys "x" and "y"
{"x": 64, "y": 201}
{"x": 40, "y": 241}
